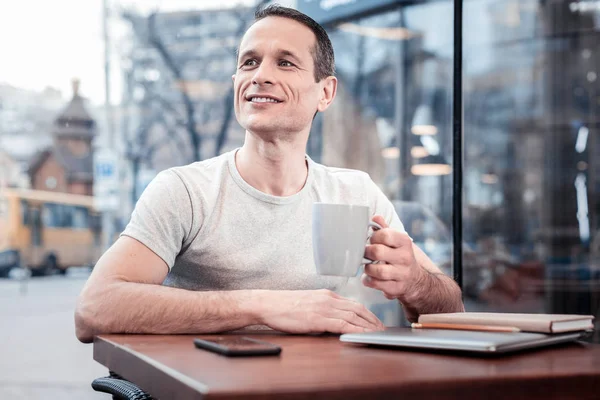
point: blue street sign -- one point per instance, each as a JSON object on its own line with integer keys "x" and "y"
{"x": 104, "y": 170}
{"x": 106, "y": 180}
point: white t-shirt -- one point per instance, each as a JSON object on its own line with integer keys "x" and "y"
{"x": 216, "y": 232}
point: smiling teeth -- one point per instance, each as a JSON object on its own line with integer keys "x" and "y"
{"x": 263, "y": 100}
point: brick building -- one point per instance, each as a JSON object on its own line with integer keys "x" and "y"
{"x": 67, "y": 165}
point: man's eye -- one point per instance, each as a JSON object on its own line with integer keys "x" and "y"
{"x": 250, "y": 63}
{"x": 284, "y": 63}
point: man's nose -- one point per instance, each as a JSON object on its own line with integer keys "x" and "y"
{"x": 263, "y": 75}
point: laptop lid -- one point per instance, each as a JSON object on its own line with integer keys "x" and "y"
{"x": 445, "y": 339}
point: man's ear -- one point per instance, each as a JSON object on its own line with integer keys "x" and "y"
{"x": 233, "y": 78}
{"x": 328, "y": 90}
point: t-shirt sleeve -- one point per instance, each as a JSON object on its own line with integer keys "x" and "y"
{"x": 382, "y": 206}
{"x": 162, "y": 218}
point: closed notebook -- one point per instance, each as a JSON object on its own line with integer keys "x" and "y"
{"x": 543, "y": 323}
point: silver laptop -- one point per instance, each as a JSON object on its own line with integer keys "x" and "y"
{"x": 445, "y": 339}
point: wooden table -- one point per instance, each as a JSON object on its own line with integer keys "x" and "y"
{"x": 322, "y": 367}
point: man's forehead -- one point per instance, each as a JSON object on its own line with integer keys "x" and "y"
{"x": 281, "y": 34}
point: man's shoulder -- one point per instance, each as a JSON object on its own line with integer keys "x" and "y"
{"x": 345, "y": 175}
{"x": 201, "y": 170}
{"x": 342, "y": 185}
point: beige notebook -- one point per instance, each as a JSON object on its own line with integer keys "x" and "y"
{"x": 543, "y": 323}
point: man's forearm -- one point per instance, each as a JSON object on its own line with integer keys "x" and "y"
{"x": 127, "y": 307}
{"x": 433, "y": 293}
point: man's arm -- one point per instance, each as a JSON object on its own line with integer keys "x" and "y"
{"x": 124, "y": 295}
{"x": 434, "y": 292}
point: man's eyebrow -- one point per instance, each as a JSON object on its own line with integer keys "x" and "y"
{"x": 254, "y": 54}
{"x": 247, "y": 53}
{"x": 289, "y": 54}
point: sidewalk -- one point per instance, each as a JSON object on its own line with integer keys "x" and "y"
{"x": 40, "y": 355}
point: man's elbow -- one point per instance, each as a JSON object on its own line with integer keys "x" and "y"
{"x": 82, "y": 330}
{"x": 87, "y": 322}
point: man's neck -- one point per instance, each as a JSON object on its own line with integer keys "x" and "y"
{"x": 278, "y": 168}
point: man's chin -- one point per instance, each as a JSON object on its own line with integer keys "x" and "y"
{"x": 261, "y": 127}
{"x": 269, "y": 127}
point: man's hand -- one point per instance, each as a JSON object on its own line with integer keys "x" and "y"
{"x": 316, "y": 311}
{"x": 398, "y": 273}
{"x": 405, "y": 273}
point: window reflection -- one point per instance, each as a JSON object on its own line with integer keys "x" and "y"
{"x": 531, "y": 115}
{"x": 531, "y": 105}
{"x": 392, "y": 118}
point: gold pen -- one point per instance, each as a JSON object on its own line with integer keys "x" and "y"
{"x": 465, "y": 327}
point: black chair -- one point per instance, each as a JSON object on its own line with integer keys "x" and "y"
{"x": 119, "y": 388}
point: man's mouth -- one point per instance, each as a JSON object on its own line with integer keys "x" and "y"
{"x": 261, "y": 99}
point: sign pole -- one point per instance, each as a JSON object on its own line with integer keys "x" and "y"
{"x": 104, "y": 169}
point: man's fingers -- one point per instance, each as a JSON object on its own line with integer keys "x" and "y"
{"x": 384, "y": 272}
{"x": 353, "y": 318}
{"x": 387, "y": 287}
{"x": 378, "y": 219}
{"x": 380, "y": 252}
{"x": 360, "y": 311}
{"x": 397, "y": 256}
{"x": 391, "y": 238}
{"x": 377, "y": 252}
{"x": 335, "y": 325}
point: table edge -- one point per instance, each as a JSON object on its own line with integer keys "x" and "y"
{"x": 107, "y": 346}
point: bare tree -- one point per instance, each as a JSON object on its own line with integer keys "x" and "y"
{"x": 140, "y": 150}
{"x": 191, "y": 115}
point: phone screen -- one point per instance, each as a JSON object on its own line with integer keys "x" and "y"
{"x": 237, "y": 346}
{"x": 240, "y": 343}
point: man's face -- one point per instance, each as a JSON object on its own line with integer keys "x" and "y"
{"x": 275, "y": 88}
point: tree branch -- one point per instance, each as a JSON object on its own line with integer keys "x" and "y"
{"x": 170, "y": 63}
{"x": 228, "y": 100}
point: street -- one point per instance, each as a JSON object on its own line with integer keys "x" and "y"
{"x": 40, "y": 357}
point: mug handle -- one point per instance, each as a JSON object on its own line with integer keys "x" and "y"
{"x": 375, "y": 226}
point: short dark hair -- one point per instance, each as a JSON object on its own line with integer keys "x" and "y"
{"x": 322, "y": 53}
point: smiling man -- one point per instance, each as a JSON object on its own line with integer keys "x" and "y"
{"x": 225, "y": 243}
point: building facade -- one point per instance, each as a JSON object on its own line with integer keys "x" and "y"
{"x": 67, "y": 165}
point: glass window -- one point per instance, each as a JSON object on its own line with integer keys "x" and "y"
{"x": 392, "y": 118}
{"x": 532, "y": 100}
{"x": 25, "y": 211}
{"x": 80, "y": 217}
{"x": 67, "y": 216}
{"x": 63, "y": 216}
{"x": 392, "y": 115}
{"x": 51, "y": 215}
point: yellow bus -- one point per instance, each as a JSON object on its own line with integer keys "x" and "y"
{"x": 47, "y": 231}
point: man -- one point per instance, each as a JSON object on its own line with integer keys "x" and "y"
{"x": 225, "y": 243}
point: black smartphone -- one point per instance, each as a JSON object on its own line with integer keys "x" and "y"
{"x": 237, "y": 346}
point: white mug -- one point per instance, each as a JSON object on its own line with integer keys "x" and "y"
{"x": 339, "y": 236}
